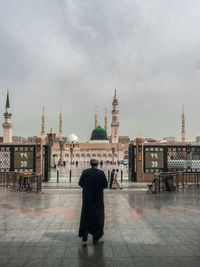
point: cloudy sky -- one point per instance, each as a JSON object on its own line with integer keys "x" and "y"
{"x": 74, "y": 53}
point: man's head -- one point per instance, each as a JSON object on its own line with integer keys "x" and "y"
{"x": 94, "y": 162}
{"x": 117, "y": 170}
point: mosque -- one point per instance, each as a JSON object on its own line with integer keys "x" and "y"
{"x": 105, "y": 148}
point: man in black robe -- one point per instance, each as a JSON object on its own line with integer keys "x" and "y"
{"x": 93, "y": 181}
{"x": 111, "y": 178}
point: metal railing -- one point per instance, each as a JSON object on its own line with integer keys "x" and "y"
{"x": 170, "y": 181}
{"x": 21, "y": 181}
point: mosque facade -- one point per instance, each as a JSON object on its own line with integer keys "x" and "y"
{"x": 101, "y": 146}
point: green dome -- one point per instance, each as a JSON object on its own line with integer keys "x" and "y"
{"x": 98, "y": 134}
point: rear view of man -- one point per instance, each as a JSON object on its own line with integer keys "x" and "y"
{"x": 111, "y": 178}
{"x": 93, "y": 181}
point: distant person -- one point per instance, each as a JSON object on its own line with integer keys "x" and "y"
{"x": 77, "y": 163}
{"x": 111, "y": 177}
{"x": 116, "y": 184}
{"x": 93, "y": 181}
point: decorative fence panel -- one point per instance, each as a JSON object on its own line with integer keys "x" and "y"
{"x": 17, "y": 158}
{"x": 171, "y": 159}
{"x": 4, "y": 158}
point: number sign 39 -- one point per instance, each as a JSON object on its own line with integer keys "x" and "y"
{"x": 154, "y": 160}
{"x": 23, "y": 160}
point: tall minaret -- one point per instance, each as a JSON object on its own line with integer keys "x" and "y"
{"x": 183, "y": 125}
{"x": 115, "y": 122}
{"x": 61, "y": 124}
{"x": 7, "y": 125}
{"x": 106, "y": 122}
{"x": 43, "y": 124}
{"x": 96, "y": 119}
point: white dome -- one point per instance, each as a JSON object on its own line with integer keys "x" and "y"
{"x": 73, "y": 138}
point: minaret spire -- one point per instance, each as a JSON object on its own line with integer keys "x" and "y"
{"x": 7, "y": 100}
{"x": 61, "y": 124}
{"x": 43, "y": 124}
{"x": 7, "y": 125}
{"x": 115, "y": 122}
{"x": 96, "y": 119}
{"x": 106, "y": 122}
{"x": 183, "y": 125}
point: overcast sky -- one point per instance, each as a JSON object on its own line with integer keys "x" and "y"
{"x": 74, "y": 53}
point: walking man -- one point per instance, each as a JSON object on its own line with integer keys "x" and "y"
{"x": 111, "y": 178}
{"x": 93, "y": 181}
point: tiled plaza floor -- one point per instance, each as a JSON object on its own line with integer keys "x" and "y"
{"x": 140, "y": 229}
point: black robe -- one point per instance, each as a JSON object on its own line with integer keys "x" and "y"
{"x": 93, "y": 181}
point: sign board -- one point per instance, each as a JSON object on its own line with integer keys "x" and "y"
{"x": 154, "y": 159}
{"x": 24, "y": 158}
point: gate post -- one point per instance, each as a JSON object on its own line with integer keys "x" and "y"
{"x": 39, "y": 154}
{"x": 139, "y": 159}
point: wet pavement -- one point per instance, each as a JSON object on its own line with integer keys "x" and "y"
{"x": 140, "y": 229}
{"x": 64, "y": 174}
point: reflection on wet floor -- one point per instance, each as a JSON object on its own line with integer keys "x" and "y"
{"x": 140, "y": 229}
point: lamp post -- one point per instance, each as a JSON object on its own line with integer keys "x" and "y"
{"x": 61, "y": 143}
{"x": 71, "y": 147}
{"x": 113, "y": 155}
{"x": 73, "y": 140}
{"x": 51, "y": 137}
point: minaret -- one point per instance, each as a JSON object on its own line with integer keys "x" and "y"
{"x": 7, "y": 125}
{"x": 115, "y": 122}
{"x": 43, "y": 124}
{"x": 96, "y": 119}
{"x": 61, "y": 124}
{"x": 106, "y": 122}
{"x": 183, "y": 125}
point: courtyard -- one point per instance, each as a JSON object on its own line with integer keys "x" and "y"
{"x": 140, "y": 229}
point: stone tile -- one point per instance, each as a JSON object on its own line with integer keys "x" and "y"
{"x": 121, "y": 251}
{"x": 56, "y": 252}
{"x": 36, "y": 262}
{"x": 125, "y": 262}
{"x": 53, "y": 262}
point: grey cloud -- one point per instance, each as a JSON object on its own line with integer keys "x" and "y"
{"x": 75, "y": 53}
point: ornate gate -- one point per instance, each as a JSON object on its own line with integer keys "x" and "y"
{"x": 46, "y": 163}
{"x": 132, "y": 163}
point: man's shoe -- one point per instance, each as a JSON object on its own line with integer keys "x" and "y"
{"x": 85, "y": 236}
{"x": 96, "y": 239}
